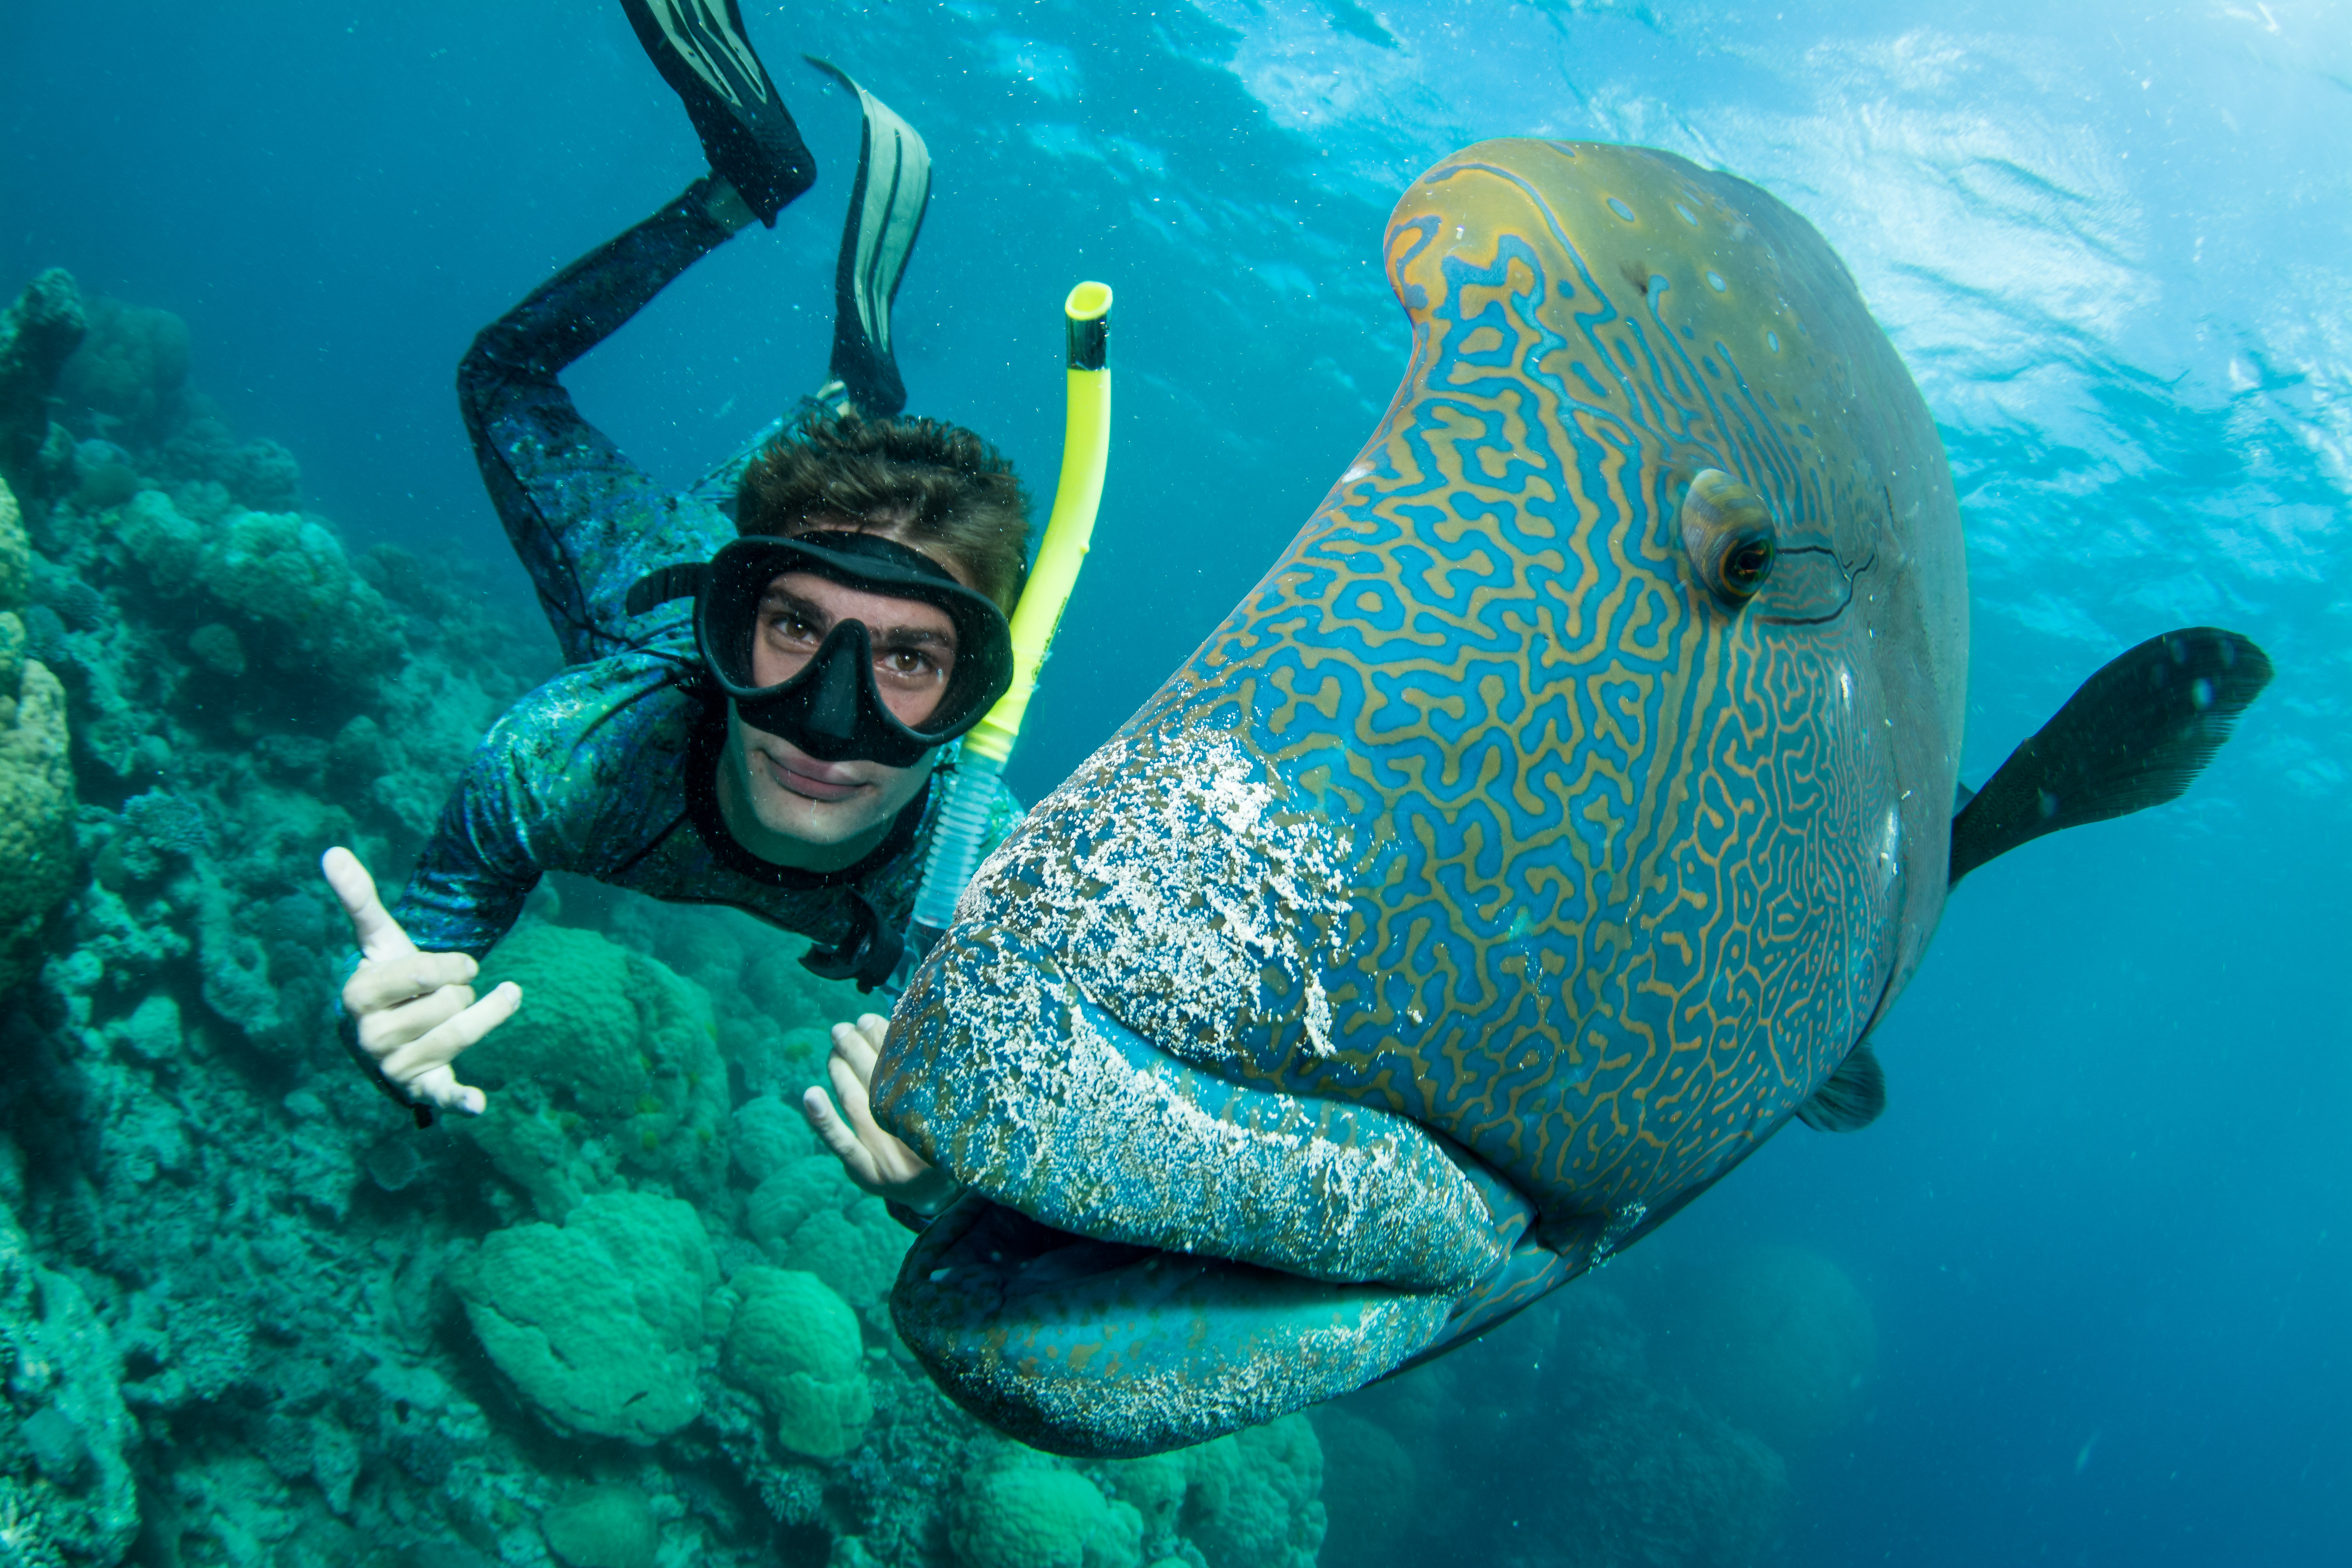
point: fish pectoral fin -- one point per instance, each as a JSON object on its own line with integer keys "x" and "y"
{"x": 2134, "y": 736}
{"x": 1852, "y": 1098}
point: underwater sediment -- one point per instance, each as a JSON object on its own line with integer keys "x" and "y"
{"x": 632, "y": 1315}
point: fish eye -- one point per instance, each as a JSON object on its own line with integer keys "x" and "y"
{"x": 1728, "y": 532}
{"x": 1746, "y": 561}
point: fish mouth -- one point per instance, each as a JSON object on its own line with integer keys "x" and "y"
{"x": 1105, "y": 1349}
{"x": 1150, "y": 1254}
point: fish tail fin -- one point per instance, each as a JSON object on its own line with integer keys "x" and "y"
{"x": 2134, "y": 736}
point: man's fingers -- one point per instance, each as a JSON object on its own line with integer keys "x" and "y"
{"x": 440, "y": 1045}
{"x": 387, "y": 1029}
{"x": 379, "y": 935}
{"x": 850, "y": 1084}
{"x": 440, "y": 1085}
{"x": 852, "y": 1045}
{"x": 387, "y": 983}
{"x": 835, "y": 1135}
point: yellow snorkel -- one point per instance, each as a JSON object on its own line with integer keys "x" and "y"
{"x": 1069, "y": 532}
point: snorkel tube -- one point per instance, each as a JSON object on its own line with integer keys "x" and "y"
{"x": 1069, "y": 531}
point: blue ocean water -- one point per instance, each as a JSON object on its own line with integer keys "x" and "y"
{"x": 2099, "y": 1239}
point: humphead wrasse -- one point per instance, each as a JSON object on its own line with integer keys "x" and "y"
{"x": 1550, "y": 825}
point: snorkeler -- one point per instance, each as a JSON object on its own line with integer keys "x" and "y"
{"x": 751, "y": 722}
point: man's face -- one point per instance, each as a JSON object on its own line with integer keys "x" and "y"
{"x": 793, "y": 794}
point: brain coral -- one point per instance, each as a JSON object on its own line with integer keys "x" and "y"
{"x": 1030, "y": 1516}
{"x": 795, "y": 1344}
{"x": 598, "y": 1323}
{"x": 611, "y": 1065}
{"x": 806, "y": 1215}
{"x": 1253, "y": 1500}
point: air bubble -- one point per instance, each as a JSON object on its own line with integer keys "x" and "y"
{"x": 1621, "y": 209}
{"x": 1772, "y": 342}
{"x": 1715, "y": 281}
{"x": 1685, "y": 213}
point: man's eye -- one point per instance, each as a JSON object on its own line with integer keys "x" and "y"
{"x": 906, "y": 661}
{"x": 793, "y": 628}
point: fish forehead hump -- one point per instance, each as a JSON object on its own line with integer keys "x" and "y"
{"x": 1479, "y": 810}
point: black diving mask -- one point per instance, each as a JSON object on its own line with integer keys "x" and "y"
{"x": 831, "y": 707}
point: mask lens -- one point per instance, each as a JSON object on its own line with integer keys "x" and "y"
{"x": 833, "y": 704}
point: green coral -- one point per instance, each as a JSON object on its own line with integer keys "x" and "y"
{"x": 1253, "y": 1500}
{"x": 604, "y": 1527}
{"x": 764, "y": 1134}
{"x": 610, "y": 1066}
{"x": 1028, "y": 1515}
{"x": 599, "y": 1323}
{"x": 282, "y": 576}
{"x": 795, "y": 1344}
{"x": 65, "y": 1476}
{"x": 15, "y": 553}
{"x": 1155, "y": 1487}
{"x": 806, "y": 1215}
{"x": 37, "y": 862}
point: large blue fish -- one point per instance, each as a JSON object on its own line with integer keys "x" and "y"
{"x": 1549, "y": 827}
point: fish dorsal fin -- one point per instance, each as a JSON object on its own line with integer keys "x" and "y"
{"x": 2132, "y": 737}
{"x": 1852, "y": 1098}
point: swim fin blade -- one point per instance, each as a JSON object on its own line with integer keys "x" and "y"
{"x": 885, "y": 214}
{"x": 702, "y": 51}
{"x": 2134, "y": 736}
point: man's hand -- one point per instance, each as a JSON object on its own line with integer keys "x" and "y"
{"x": 415, "y": 1011}
{"x": 873, "y": 1159}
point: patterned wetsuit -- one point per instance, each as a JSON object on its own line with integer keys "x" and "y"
{"x": 608, "y": 769}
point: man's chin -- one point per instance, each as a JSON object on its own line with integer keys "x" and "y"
{"x": 821, "y": 823}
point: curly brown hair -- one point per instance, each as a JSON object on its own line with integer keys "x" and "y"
{"x": 932, "y": 486}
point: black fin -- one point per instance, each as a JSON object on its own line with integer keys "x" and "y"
{"x": 703, "y": 52}
{"x": 1852, "y": 1098}
{"x": 2133, "y": 737}
{"x": 885, "y": 217}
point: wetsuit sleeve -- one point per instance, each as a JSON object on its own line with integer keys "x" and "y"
{"x": 469, "y": 884}
{"x": 586, "y": 520}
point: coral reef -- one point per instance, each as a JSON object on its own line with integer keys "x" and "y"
{"x": 38, "y": 333}
{"x": 36, "y": 786}
{"x": 599, "y": 1324}
{"x": 632, "y": 1316}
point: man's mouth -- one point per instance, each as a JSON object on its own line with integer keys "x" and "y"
{"x": 809, "y": 780}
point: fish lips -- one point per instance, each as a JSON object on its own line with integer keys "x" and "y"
{"x": 1150, "y": 1254}
{"x": 1105, "y": 1349}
